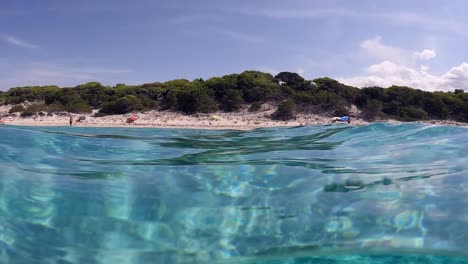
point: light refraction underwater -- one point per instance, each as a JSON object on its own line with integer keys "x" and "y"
{"x": 317, "y": 194}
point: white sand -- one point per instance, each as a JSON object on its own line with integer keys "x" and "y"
{"x": 164, "y": 119}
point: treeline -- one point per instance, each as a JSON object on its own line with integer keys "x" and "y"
{"x": 291, "y": 92}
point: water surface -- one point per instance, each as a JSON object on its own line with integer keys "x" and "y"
{"x": 319, "y": 194}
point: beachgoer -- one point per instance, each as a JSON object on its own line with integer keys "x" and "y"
{"x": 71, "y": 120}
{"x": 1, "y": 121}
{"x": 342, "y": 119}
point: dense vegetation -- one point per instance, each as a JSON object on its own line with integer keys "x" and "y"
{"x": 291, "y": 92}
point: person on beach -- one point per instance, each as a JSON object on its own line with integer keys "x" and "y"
{"x": 1, "y": 121}
{"x": 71, "y": 120}
{"x": 342, "y": 119}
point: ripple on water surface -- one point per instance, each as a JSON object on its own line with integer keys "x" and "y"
{"x": 321, "y": 194}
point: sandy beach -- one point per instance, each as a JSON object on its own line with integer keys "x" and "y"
{"x": 243, "y": 120}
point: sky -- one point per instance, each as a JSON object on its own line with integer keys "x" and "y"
{"x": 418, "y": 43}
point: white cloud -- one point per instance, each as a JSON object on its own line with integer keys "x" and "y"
{"x": 387, "y": 73}
{"x": 424, "y": 68}
{"x": 426, "y": 54}
{"x": 377, "y": 49}
{"x": 403, "y": 67}
{"x": 18, "y": 42}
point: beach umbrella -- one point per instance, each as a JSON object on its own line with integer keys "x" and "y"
{"x": 214, "y": 117}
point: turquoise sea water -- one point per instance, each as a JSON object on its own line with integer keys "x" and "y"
{"x": 319, "y": 194}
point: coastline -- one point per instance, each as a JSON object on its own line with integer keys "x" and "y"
{"x": 225, "y": 121}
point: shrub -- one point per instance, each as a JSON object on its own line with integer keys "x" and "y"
{"x": 340, "y": 110}
{"x": 411, "y": 113}
{"x": 372, "y": 109}
{"x": 170, "y": 101}
{"x": 99, "y": 114}
{"x": 285, "y": 111}
{"x": 328, "y": 101}
{"x": 56, "y": 107}
{"x": 34, "y": 108}
{"x": 304, "y": 98}
{"x": 80, "y": 108}
{"x": 232, "y": 100}
{"x": 255, "y": 107}
{"x": 124, "y": 105}
{"x": 206, "y": 104}
{"x": 16, "y": 108}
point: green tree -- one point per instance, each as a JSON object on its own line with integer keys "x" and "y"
{"x": 293, "y": 80}
{"x": 170, "y": 101}
{"x": 372, "y": 109}
{"x": 285, "y": 111}
{"x": 435, "y": 107}
{"x": 232, "y": 100}
{"x": 126, "y": 104}
{"x": 80, "y": 108}
{"x": 16, "y": 109}
{"x": 411, "y": 113}
{"x": 34, "y": 109}
{"x": 255, "y": 107}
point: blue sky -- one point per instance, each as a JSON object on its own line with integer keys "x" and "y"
{"x": 361, "y": 43}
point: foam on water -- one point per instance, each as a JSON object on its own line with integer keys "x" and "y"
{"x": 320, "y": 194}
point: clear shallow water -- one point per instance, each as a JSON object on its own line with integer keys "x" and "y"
{"x": 321, "y": 194}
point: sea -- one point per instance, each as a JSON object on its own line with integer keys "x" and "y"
{"x": 378, "y": 193}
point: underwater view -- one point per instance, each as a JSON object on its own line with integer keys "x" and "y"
{"x": 378, "y": 193}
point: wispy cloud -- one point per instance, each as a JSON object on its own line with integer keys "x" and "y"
{"x": 242, "y": 36}
{"x": 18, "y": 42}
{"x": 296, "y": 13}
{"x": 46, "y": 73}
{"x": 194, "y": 18}
{"x": 437, "y": 23}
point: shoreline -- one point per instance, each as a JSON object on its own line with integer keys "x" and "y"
{"x": 175, "y": 120}
{"x": 242, "y": 120}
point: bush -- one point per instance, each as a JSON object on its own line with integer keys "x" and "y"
{"x": 232, "y": 100}
{"x": 328, "y": 101}
{"x": 285, "y": 111}
{"x": 16, "y": 108}
{"x": 255, "y": 107}
{"x": 33, "y": 109}
{"x": 57, "y": 107}
{"x": 124, "y": 105}
{"x": 99, "y": 114}
{"x": 170, "y": 101}
{"x": 192, "y": 101}
{"x": 80, "y": 108}
{"x": 305, "y": 98}
{"x": 412, "y": 113}
{"x": 206, "y": 104}
{"x": 372, "y": 109}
